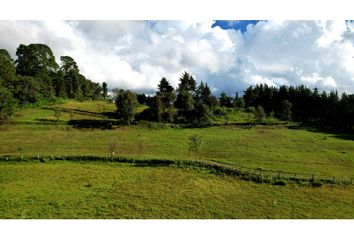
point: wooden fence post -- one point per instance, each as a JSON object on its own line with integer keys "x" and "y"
{"x": 313, "y": 177}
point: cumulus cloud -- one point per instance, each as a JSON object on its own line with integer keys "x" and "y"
{"x": 136, "y": 54}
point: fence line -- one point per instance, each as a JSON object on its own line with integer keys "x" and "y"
{"x": 254, "y": 174}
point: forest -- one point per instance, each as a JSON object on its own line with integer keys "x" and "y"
{"x": 35, "y": 77}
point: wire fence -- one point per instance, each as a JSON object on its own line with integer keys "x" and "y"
{"x": 258, "y": 175}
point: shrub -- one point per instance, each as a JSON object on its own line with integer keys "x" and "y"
{"x": 316, "y": 184}
{"x": 279, "y": 183}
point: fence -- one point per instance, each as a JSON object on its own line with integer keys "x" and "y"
{"x": 258, "y": 175}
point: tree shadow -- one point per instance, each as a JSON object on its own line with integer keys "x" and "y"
{"x": 85, "y": 112}
{"x": 344, "y": 135}
{"x": 94, "y": 124}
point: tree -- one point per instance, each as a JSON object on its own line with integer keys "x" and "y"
{"x": 104, "y": 90}
{"x": 203, "y": 102}
{"x": 37, "y": 61}
{"x": 34, "y": 58}
{"x": 260, "y": 114}
{"x": 285, "y": 113}
{"x": 157, "y": 108}
{"x": 165, "y": 96}
{"x": 72, "y": 79}
{"x": 112, "y": 147}
{"x": 26, "y": 89}
{"x": 126, "y": 102}
{"x": 7, "y": 105}
{"x": 195, "y": 145}
{"x": 238, "y": 102}
{"x": 225, "y": 101}
{"x": 185, "y": 90}
{"x": 7, "y": 68}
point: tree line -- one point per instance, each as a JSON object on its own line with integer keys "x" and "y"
{"x": 36, "y": 76}
{"x": 195, "y": 104}
{"x": 302, "y": 104}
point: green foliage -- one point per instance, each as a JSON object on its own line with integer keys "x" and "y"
{"x": 195, "y": 145}
{"x": 104, "y": 90}
{"x": 26, "y": 89}
{"x": 35, "y": 59}
{"x": 163, "y": 102}
{"x": 285, "y": 113}
{"x": 260, "y": 114}
{"x": 127, "y": 103}
{"x": 7, "y": 68}
{"x": 225, "y": 101}
{"x": 7, "y": 105}
{"x": 185, "y": 101}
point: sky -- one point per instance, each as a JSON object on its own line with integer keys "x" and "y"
{"x": 228, "y": 55}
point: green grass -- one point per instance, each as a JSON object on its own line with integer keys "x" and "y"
{"x": 114, "y": 190}
{"x": 272, "y": 148}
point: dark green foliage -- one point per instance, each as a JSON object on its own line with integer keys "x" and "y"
{"x": 7, "y": 68}
{"x": 34, "y": 59}
{"x": 126, "y": 102}
{"x": 163, "y": 103}
{"x": 285, "y": 112}
{"x": 316, "y": 184}
{"x": 185, "y": 102}
{"x": 238, "y": 102}
{"x": 324, "y": 110}
{"x": 225, "y": 100}
{"x": 26, "y": 89}
{"x": 279, "y": 183}
{"x": 142, "y": 99}
{"x": 104, "y": 90}
{"x": 7, "y": 104}
{"x": 36, "y": 77}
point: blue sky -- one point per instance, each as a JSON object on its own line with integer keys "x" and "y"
{"x": 137, "y": 54}
{"x": 240, "y": 25}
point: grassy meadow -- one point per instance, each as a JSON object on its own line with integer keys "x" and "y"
{"x": 114, "y": 190}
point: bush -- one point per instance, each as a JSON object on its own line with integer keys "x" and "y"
{"x": 251, "y": 109}
{"x": 279, "y": 183}
{"x": 316, "y": 184}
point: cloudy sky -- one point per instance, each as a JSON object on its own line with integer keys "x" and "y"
{"x": 228, "y": 55}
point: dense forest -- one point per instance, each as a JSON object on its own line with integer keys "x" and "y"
{"x": 35, "y": 77}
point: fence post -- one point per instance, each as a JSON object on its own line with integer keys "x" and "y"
{"x": 333, "y": 178}
{"x": 278, "y": 174}
{"x": 313, "y": 177}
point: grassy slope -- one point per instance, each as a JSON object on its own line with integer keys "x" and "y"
{"x": 113, "y": 190}
{"x": 269, "y": 147}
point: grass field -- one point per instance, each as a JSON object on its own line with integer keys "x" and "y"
{"x": 274, "y": 147}
{"x": 50, "y": 191}
{"x": 114, "y": 190}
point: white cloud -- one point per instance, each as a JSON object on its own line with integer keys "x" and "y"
{"x": 136, "y": 54}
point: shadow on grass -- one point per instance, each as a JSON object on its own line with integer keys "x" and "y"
{"x": 84, "y": 112}
{"x": 344, "y": 135}
{"x": 94, "y": 124}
